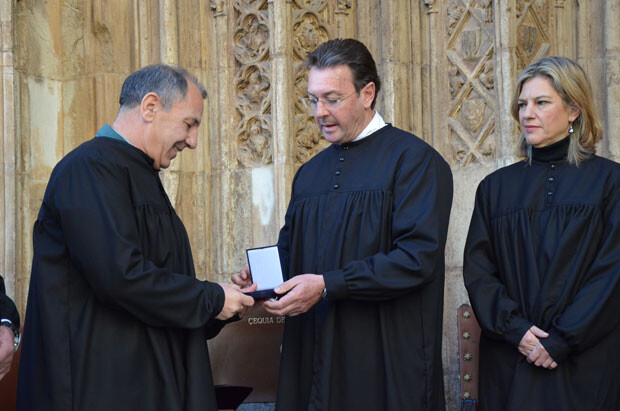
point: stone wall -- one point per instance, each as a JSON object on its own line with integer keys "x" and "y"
{"x": 448, "y": 67}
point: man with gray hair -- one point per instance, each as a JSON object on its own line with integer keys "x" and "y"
{"x": 116, "y": 318}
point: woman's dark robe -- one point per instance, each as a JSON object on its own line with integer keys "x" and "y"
{"x": 544, "y": 249}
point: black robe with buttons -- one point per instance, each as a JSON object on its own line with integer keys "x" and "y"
{"x": 372, "y": 217}
{"x": 116, "y": 319}
{"x": 544, "y": 249}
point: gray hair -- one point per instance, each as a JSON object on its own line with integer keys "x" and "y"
{"x": 168, "y": 82}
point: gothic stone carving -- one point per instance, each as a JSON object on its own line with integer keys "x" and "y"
{"x": 532, "y": 31}
{"x": 252, "y": 83}
{"x": 310, "y": 30}
{"x": 471, "y": 55}
{"x": 343, "y": 6}
{"x": 217, "y": 6}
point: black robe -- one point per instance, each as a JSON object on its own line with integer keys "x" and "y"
{"x": 8, "y": 310}
{"x": 372, "y": 217}
{"x": 116, "y": 319}
{"x": 544, "y": 249}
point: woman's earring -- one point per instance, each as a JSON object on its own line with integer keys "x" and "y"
{"x": 570, "y": 128}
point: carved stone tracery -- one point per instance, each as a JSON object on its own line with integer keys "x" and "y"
{"x": 487, "y": 76}
{"x": 471, "y": 53}
{"x": 343, "y": 6}
{"x": 252, "y": 83}
{"x": 455, "y": 11}
{"x": 533, "y": 31}
{"x": 310, "y": 30}
{"x": 217, "y": 6}
{"x": 456, "y": 80}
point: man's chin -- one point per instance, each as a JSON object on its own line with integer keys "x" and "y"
{"x": 332, "y": 138}
{"x": 162, "y": 165}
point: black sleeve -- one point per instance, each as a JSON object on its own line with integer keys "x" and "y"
{"x": 284, "y": 236}
{"x": 594, "y": 310}
{"x": 499, "y": 316}
{"x": 7, "y": 306}
{"x": 422, "y": 199}
{"x": 90, "y": 205}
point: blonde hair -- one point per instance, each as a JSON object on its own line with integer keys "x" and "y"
{"x": 570, "y": 81}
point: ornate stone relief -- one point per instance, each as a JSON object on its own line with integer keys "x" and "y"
{"x": 487, "y": 6}
{"x": 471, "y": 55}
{"x": 430, "y": 4}
{"x": 533, "y": 40}
{"x": 487, "y": 77}
{"x": 310, "y": 30}
{"x": 217, "y": 6}
{"x": 456, "y": 80}
{"x": 455, "y": 12}
{"x": 343, "y": 6}
{"x": 252, "y": 83}
{"x": 309, "y": 33}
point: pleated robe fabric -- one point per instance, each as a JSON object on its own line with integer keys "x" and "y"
{"x": 544, "y": 249}
{"x": 116, "y": 319}
{"x": 372, "y": 217}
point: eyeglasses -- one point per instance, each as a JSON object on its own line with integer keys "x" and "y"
{"x": 328, "y": 102}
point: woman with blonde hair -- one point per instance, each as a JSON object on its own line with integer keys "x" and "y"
{"x": 542, "y": 258}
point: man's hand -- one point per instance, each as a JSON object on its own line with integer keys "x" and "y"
{"x": 7, "y": 347}
{"x": 236, "y": 301}
{"x": 243, "y": 278}
{"x": 535, "y": 352}
{"x": 303, "y": 292}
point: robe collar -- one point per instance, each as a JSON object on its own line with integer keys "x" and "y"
{"x": 108, "y": 131}
{"x": 375, "y": 124}
{"x": 555, "y": 152}
{"x": 369, "y": 137}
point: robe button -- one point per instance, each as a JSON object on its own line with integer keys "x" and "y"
{"x": 341, "y": 159}
{"x": 550, "y": 179}
{"x": 550, "y": 193}
{"x": 346, "y": 147}
{"x": 336, "y": 186}
{"x": 552, "y": 165}
{"x": 337, "y": 172}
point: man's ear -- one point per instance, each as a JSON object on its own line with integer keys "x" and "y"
{"x": 151, "y": 103}
{"x": 368, "y": 94}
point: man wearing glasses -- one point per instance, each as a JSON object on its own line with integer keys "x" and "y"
{"x": 363, "y": 250}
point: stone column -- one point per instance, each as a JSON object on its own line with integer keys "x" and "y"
{"x": 8, "y": 153}
{"x": 590, "y": 53}
{"x": 169, "y": 36}
{"x": 611, "y": 114}
{"x": 284, "y": 98}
